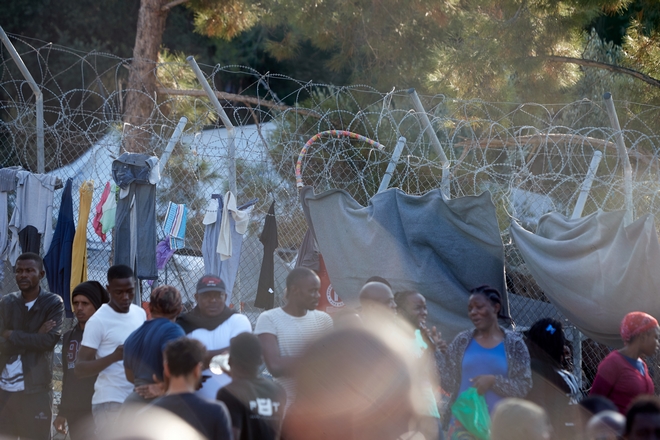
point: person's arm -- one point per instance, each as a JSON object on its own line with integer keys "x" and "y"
{"x": 48, "y": 335}
{"x": 518, "y": 381}
{"x": 129, "y": 374}
{"x": 277, "y": 364}
{"x": 4, "y": 344}
{"x": 210, "y": 354}
{"x": 87, "y": 364}
{"x": 450, "y": 362}
{"x": 605, "y": 379}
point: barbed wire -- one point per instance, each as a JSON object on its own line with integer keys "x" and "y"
{"x": 531, "y": 157}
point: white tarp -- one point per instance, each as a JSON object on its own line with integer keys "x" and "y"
{"x": 594, "y": 269}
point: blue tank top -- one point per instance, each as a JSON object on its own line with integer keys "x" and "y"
{"x": 478, "y": 361}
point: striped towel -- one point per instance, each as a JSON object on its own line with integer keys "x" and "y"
{"x": 175, "y": 224}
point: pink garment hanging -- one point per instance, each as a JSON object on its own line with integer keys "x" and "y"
{"x": 98, "y": 227}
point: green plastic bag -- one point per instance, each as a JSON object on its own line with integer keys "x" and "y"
{"x": 471, "y": 410}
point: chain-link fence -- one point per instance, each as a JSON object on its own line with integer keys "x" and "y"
{"x": 531, "y": 157}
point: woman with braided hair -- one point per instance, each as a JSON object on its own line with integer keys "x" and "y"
{"x": 488, "y": 357}
{"x": 143, "y": 350}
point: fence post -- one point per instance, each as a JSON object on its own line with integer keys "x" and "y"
{"x": 586, "y": 185}
{"x": 623, "y": 156}
{"x": 41, "y": 162}
{"x": 576, "y": 339}
{"x": 426, "y": 123}
{"x": 225, "y": 120}
{"x": 172, "y": 142}
{"x": 392, "y": 165}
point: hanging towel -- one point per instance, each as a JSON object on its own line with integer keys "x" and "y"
{"x": 33, "y": 207}
{"x": 266, "y": 289}
{"x": 227, "y": 270}
{"x": 79, "y": 256}
{"x": 57, "y": 261}
{"x": 241, "y": 219}
{"x": 175, "y": 225}
{"x": 98, "y": 227}
{"x": 109, "y": 210}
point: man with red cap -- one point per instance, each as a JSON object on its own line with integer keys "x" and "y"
{"x": 622, "y": 375}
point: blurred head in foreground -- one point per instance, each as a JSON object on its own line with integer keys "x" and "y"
{"x": 354, "y": 384}
{"x": 518, "y": 419}
{"x": 606, "y": 425}
{"x": 183, "y": 360}
{"x": 643, "y": 419}
{"x": 154, "y": 424}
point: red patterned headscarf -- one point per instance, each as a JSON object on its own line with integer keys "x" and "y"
{"x": 635, "y": 323}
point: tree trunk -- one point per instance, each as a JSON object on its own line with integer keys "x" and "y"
{"x": 140, "y": 95}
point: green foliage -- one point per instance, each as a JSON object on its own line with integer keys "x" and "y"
{"x": 175, "y": 73}
{"x": 223, "y": 18}
{"x": 380, "y": 43}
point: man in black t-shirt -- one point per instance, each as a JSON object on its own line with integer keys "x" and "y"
{"x": 76, "y": 404}
{"x": 256, "y": 404}
{"x": 183, "y": 362}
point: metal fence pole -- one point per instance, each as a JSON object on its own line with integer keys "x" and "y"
{"x": 623, "y": 155}
{"x": 41, "y": 162}
{"x": 225, "y": 120}
{"x": 576, "y": 337}
{"x": 392, "y": 165}
{"x": 586, "y": 185}
{"x": 172, "y": 142}
{"x": 426, "y": 123}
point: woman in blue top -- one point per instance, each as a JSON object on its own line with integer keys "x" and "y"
{"x": 489, "y": 358}
{"x": 143, "y": 349}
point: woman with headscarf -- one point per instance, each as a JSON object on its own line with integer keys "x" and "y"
{"x": 143, "y": 349}
{"x": 76, "y": 403}
{"x": 488, "y": 357}
{"x": 623, "y": 375}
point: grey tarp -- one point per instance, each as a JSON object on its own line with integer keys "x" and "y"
{"x": 595, "y": 270}
{"x": 440, "y": 248}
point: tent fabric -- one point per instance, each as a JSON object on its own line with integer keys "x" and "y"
{"x": 440, "y": 248}
{"x": 594, "y": 269}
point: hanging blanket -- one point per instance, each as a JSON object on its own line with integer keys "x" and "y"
{"x": 440, "y": 248}
{"x": 595, "y": 270}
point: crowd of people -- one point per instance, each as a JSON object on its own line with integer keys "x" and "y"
{"x": 375, "y": 372}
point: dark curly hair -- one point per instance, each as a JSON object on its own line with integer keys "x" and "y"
{"x": 166, "y": 301}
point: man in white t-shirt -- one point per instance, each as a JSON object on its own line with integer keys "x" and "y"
{"x": 213, "y": 324}
{"x": 102, "y": 347}
{"x": 285, "y": 331}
